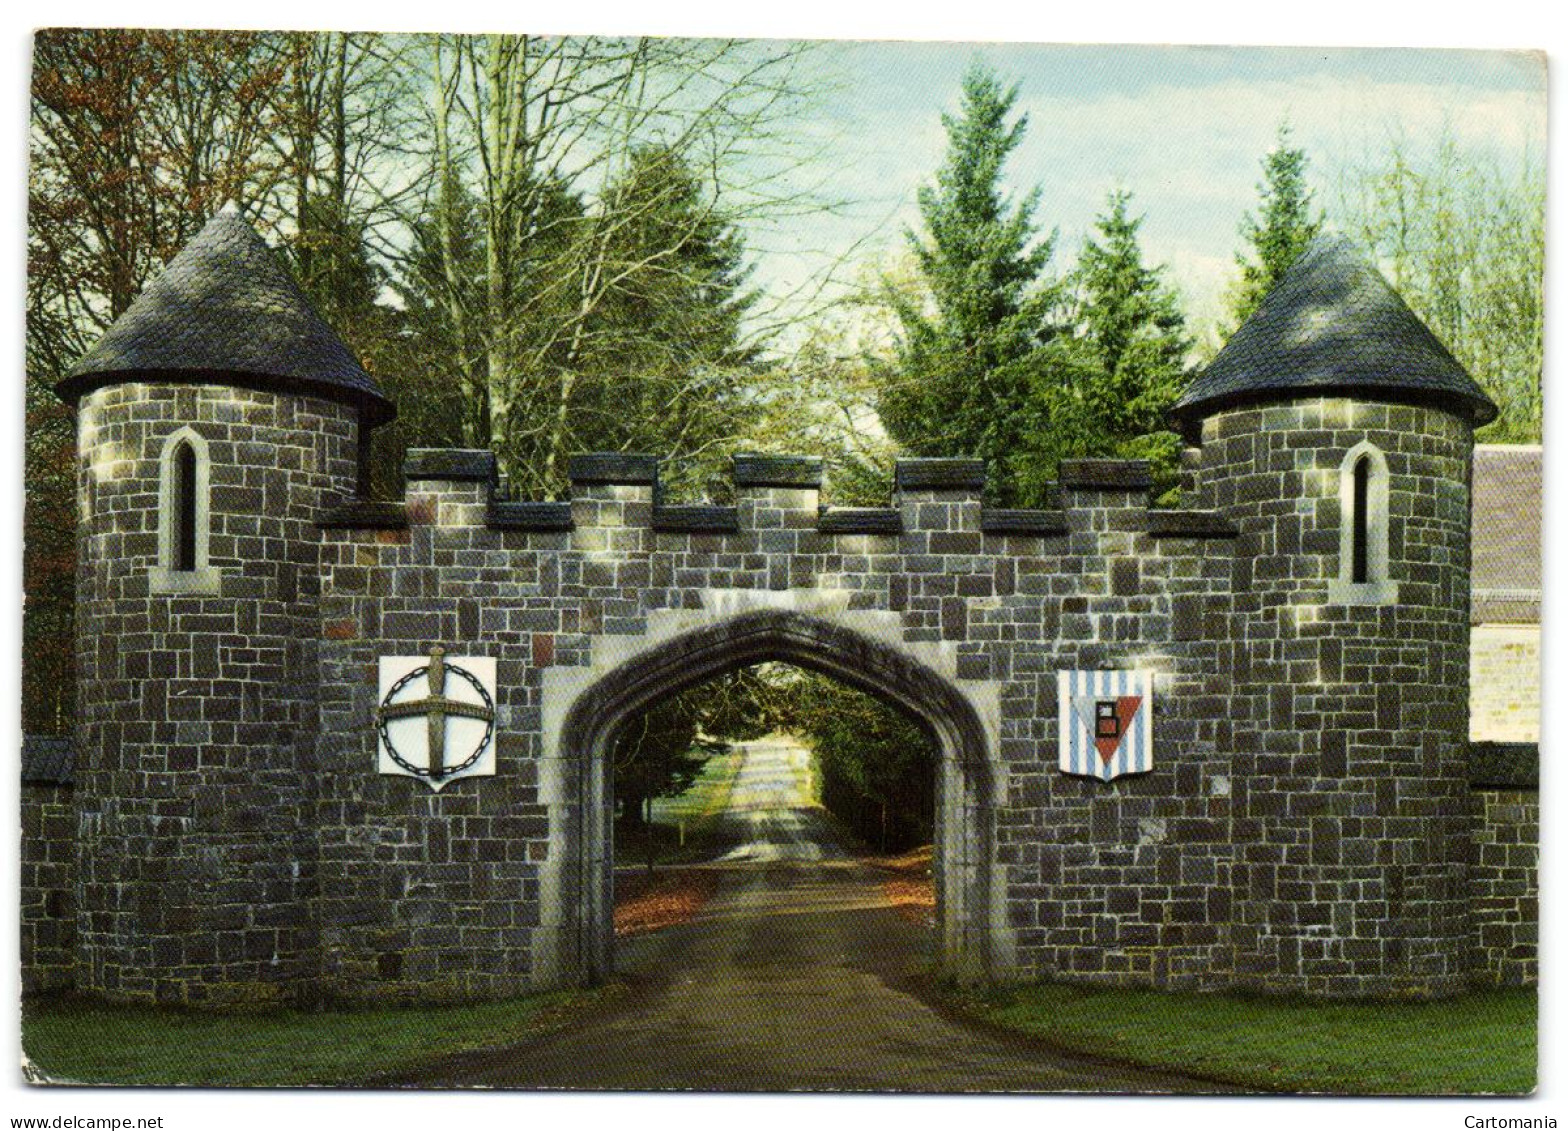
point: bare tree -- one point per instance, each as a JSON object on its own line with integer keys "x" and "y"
{"x": 1463, "y": 240}
{"x": 136, "y": 137}
{"x": 536, "y": 139}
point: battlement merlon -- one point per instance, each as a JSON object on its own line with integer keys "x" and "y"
{"x": 777, "y": 492}
{"x": 942, "y": 497}
{"x": 449, "y": 486}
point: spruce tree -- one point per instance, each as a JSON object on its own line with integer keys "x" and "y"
{"x": 969, "y": 343}
{"x": 1287, "y": 224}
{"x": 1132, "y": 345}
{"x": 665, "y": 362}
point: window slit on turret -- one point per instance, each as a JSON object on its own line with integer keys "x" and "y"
{"x": 184, "y": 509}
{"x": 184, "y": 518}
{"x": 1358, "y": 568}
{"x": 1363, "y": 573}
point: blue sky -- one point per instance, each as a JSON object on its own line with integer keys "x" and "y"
{"x": 1183, "y": 128}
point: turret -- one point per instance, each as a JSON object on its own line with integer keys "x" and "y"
{"x": 217, "y": 419}
{"x": 1336, "y": 433}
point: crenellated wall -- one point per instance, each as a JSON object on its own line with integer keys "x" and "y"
{"x": 990, "y": 603}
{"x": 196, "y": 718}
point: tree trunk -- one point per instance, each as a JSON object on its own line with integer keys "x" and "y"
{"x": 647, "y": 827}
{"x": 476, "y": 424}
{"x": 498, "y": 256}
{"x": 340, "y": 126}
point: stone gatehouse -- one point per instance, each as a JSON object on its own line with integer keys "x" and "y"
{"x": 1308, "y": 824}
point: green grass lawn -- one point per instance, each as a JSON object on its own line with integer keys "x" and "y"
{"x": 706, "y": 796}
{"x": 1482, "y": 1042}
{"x": 695, "y": 810}
{"x": 77, "y": 1040}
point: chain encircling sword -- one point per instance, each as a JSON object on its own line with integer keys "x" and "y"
{"x": 437, "y": 708}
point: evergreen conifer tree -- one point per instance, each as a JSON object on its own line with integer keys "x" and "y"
{"x": 1286, "y": 225}
{"x": 970, "y": 343}
{"x": 1128, "y": 357}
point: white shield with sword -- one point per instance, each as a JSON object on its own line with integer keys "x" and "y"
{"x": 437, "y": 719}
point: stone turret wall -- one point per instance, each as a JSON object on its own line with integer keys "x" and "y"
{"x": 1350, "y": 742}
{"x": 196, "y": 715}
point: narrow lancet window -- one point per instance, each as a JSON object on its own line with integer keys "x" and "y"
{"x": 184, "y": 509}
{"x": 184, "y": 517}
{"x": 1363, "y": 575}
{"x": 1358, "y": 566}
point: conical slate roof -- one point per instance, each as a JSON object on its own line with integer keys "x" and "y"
{"x": 225, "y": 310}
{"x": 1332, "y": 325}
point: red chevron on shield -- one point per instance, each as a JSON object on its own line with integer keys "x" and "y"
{"x": 1107, "y": 720}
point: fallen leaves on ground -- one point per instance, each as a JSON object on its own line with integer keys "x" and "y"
{"x": 649, "y": 903}
{"x": 910, "y": 888}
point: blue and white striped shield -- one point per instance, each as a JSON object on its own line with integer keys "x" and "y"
{"x": 1104, "y": 722}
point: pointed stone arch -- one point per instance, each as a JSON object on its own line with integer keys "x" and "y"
{"x": 583, "y": 708}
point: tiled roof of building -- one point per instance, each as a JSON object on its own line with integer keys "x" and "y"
{"x": 48, "y": 759}
{"x": 1333, "y": 325}
{"x": 1505, "y": 554}
{"x": 226, "y": 308}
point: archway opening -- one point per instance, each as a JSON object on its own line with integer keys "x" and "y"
{"x": 772, "y": 765}
{"x": 867, "y": 656}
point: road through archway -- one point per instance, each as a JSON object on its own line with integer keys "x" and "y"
{"x": 797, "y": 974}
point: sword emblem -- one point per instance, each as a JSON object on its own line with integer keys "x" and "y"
{"x": 437, "y": 707}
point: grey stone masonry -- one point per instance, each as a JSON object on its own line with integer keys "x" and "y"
{"x": 1305, "y": 825}
{"x": 1148, "y": 880}
{"x": 1505, "y": 890}
{"x": 460, "y": 465}
{"x": 753, "y": 470}
{"x": 197, "y": 720}
{"x": 1344, "y": 724}
{"x": 1504, "y": 893}
{"x": 48, "y": 864}
{"x": 1308, "y": 824}
{"x": 994, "y": 614}
{"x": 48, "y": 872}
{"x": 1311, "y": 821}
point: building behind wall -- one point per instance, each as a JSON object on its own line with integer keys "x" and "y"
{"x": 1505, "y": 603}
{"x": 1505, "y": 711}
